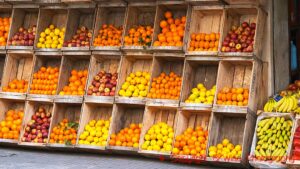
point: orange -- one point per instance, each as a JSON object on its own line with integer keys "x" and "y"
{"x": 163, "y": 24}
{"x": 168, "y": 14}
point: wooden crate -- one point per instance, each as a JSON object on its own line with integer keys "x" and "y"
{"x": 69, "y": 62}
{"x": 244, "y": 74}
{"x": 22, "y": 17}
{"x": 109, "y": 62}
{"x": 70, "y": 111}
{"x": 291, "y": 163}
{"x": 130, "y": 64}
{"x": 236, "y": 15}
{"x": 17, "y": 66}
{"x": 93, "y": 111}
{"x": 78, "y": 17}
{"x": 6, "y": 11}
{"x": 195, "y": 72}
{"x": 123, "y": 115}
{"x": 205, "y": 19}
{"x": 47, "y": 16}
{"x": 242, "y": 2}
{"x": 178, "y": 10}
{"x": 205, "y": 2}
{"x": 114, "y": 15}
{"x": 166, "y": 62}
{"x": 139, "y": 14}
{"x": 154, "y": 115}
{"x": 2, "y": 63}
{"x": 10, "y": 104}
{"x": 30, "y": 109}
{"x": 238, "y": 128}
{"x": 45, "y": 61}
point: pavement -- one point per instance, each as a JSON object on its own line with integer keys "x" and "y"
{"x": 21, "y": 158}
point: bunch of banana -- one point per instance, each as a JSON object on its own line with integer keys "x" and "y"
{"x": 287, "y": 104}
{"x": 269, "y": 106}
{"x": 297, "y": 111}
{"x": 273, "y": 137}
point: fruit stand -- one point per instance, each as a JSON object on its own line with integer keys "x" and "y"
{"x": 178, "y": 80}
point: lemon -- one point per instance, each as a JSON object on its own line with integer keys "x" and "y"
{"x": 160, "y": 143}
{"x": 169, "y": 141}
{"x": 156, "y": 147}
{"x": 153, "y": 142}
{"x": 132, "y": 75}
{"x": 96, "y": 140}
{"x": 138, "y": 74}
{"x": 42, "y": 34}
{"x": 51, "y": 34}
{"x": 238, "y": 147}
{"x": 51, "y": 26}
{"x": 149, "y": 148}
{"x": 128, "y": 93}
{"x": 131, "y": 88}
{"x": 200, "y": 85}
{"x": 225, "y": 142}
{"x": 47, "y": 31}
{"x": 41, "y": 39}
{"x": 168, "y": 148}
{"x": 144, "y": 146}
{"x": 56, "y": 31}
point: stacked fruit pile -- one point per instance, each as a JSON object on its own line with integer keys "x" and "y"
{"x": 166, "y": 86}
{"x": 204, "y": 42}
{"x": 191, "y": 142}
{"x": 4, "y": 30}
{"x": 201, "y": 95}
{"x": 139, "y": 36}
{"x": 52, "y": 37}
{"x": 172, "y": 31}
{"x": 103, "y": 84}
{"x": 159, "y": 138}
{"x": 273, "y": 137}
{"x": 80, "y": 39}
{"x": 286, "y": 104}
{"x": 240, "y": 38}
{"x": 233, "y": 96}
{"x": 18, "y": 86}
{"x": 45, "y": 81}
{"x": 109, "y": 35}
{"x": 127, "y": 137}
{"x": 10, "y": 127}
{"x": 95, "y": 133}
{"x": 136, "y": 85}
{"x": 37, "y": 128}
{"x": 225, "y": 150}
{"x": 24, "y": 37}
{"x": 76, "y": 84}
{"x": 296, "y": 145}
{"x": 64, "y": 133}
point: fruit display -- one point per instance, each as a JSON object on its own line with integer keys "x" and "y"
{"x": 233, "y": 96}
{"x": 10, "y": 126}
{"x": 18, "y": 86}
{"x": 273, "y": 137}
{"x": 204, "y": 42}
{"x": 240, "y": 38}
{"x": 52, "y": 37}
{"x": 109, "y": 35}
{"x": 159, "y": 138}
{"x": 225, "y": 149}
{"x": 166, "y": 86}
{"x": 37, "y": 128}
{"x": 200, "y": 94}
{"x": 65, "y": 132}
{"x": 45, "y": 81}
{"x": 285, "y": 105}
{"x": 172, "y": 31}
{"x": 95, "y": 133}
{"x": 135, "y": 85}
{"x": 127, "y": 137}
{"x": 4, "y": 30}
{"x": 24, "y": 37}
{"x": 191, "y": 142}
{"x": 76, "y": 84}
{"x": 80, "y": 39}
{"x": 296, "y": 145}
{"x": 103, "y": 84}
{"x": 139, "y": 36}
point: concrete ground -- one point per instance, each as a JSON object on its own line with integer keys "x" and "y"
{"x": 20, "y": 158}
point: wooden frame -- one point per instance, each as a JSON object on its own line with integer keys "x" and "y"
{"x": 109, "y": 15}
{"x": 239, "y": 2}
{"x": 195, "y": 72}
{"x": 205, "y": 2}
{"x": 2, "y": 63}
{"x": 6, "y": 11}
{"x": 31, "y": 107}
{"x": 108, "y": 62}
{"x": 93, "y": 111}
{"x": 130, "y": 64}
{"x": 291, "y": 163}
{"x": 123, "y": 115}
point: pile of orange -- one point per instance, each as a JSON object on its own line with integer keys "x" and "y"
{"x": 233, "y": 96}
{"x": 172, "y": 31}
{"x": 45, "y": 81}
{"x": 127, "y": 137}
{"x": 204, "y": 42}
{"x": 10, "y": 127}
{"x": 191, "y": 142}
{"x": 139, "y": 36}
{"x": 165, "y": 86}
{"x": 18, "y": 86}
{"x": 4, "y": 29}
{"x": 77, "y": 83}
{"x": 64, "y": 133}
{"x": 109, "y": 35}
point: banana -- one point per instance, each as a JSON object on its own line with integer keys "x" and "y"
{"x": 269, "y": 106}
{"x": 295, "y": 102}
{"x": 283, "y": 106}
{"x": 278, "y": 105}
{"x": 266, "y": 107}
{"x": 290, "y": 104}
